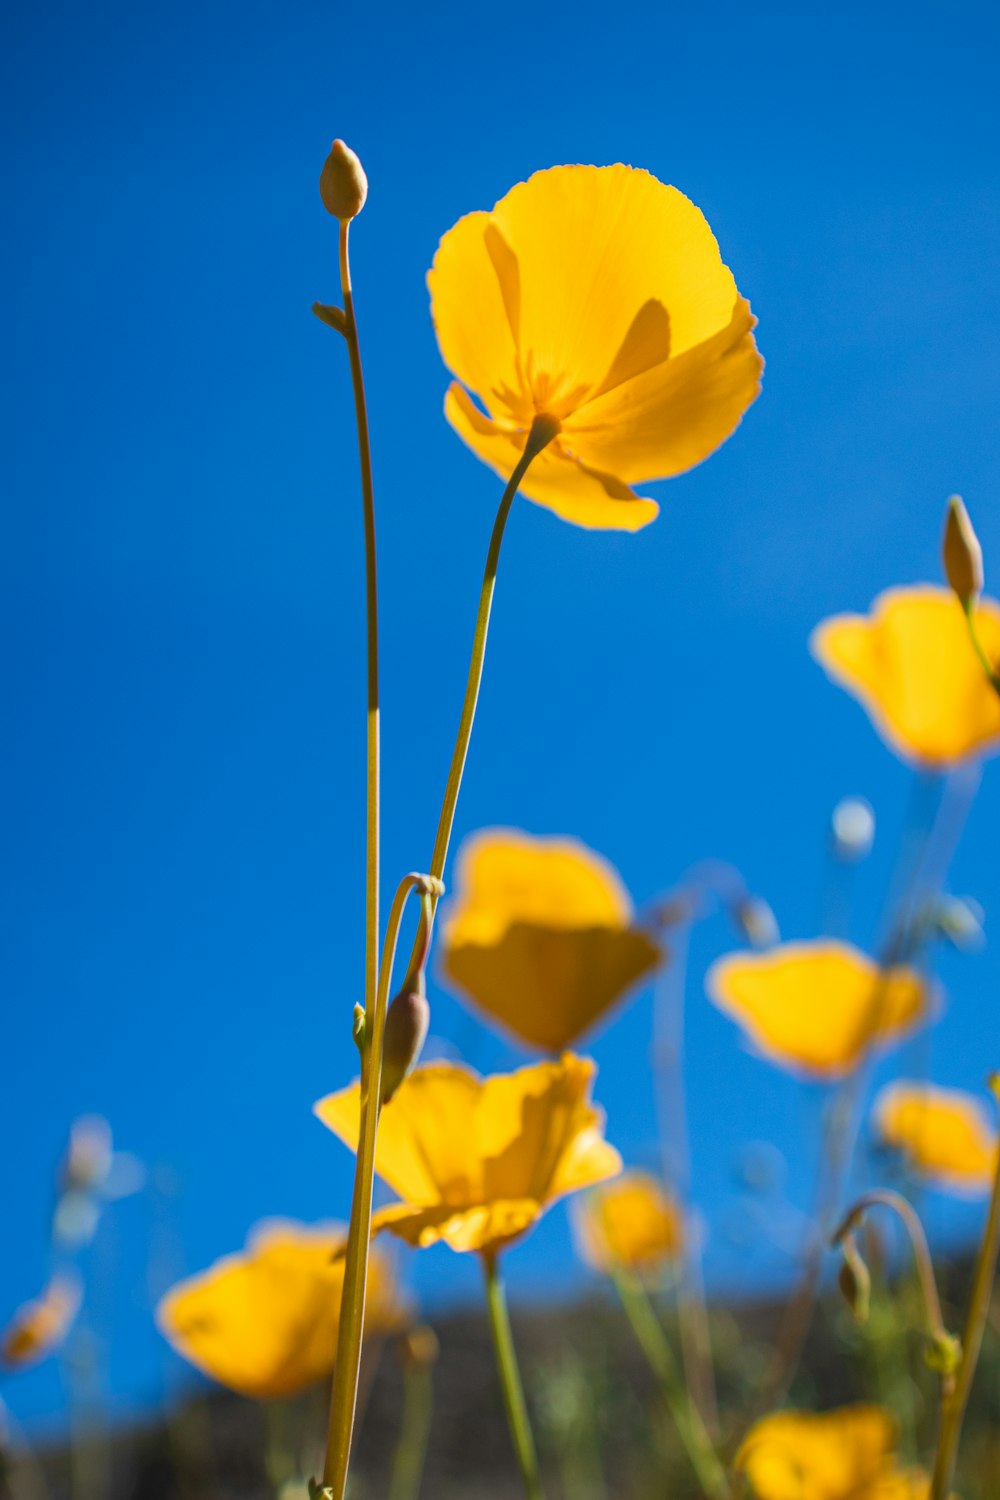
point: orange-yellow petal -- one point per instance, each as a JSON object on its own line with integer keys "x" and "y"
{"x": 845, "y": 1454}
{"x": 672, "y": 417}
{"x": 631, "y": 1223}
{"x": 585, "y": 496}
{"x": 911, "y": 665}
{"x": 265, "y": 1322}
{"x": 39, "y": 1327}
{"x": 944, "y": 1135}
{"x": 816, "y": 1008}
{"x": 541, "y": 937}
{"x": 482, "y": 1226}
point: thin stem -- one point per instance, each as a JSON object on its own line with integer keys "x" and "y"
{"x": 411, "y": 1449}
{"x": 510, "y": 1381}
{"x": 953, "y": 1412}
{"x": 348, "y": 1364}
{"x": 371, "y": 605}
{"x": 918, "y": 1240}
{"x": 687, "y": 1419}
{"x": 977, "y": 645}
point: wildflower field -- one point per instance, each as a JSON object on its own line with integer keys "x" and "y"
{"x": 501, "y": 1046}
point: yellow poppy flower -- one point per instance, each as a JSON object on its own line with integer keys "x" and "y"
{"x": 943, "y": 1134}
{"x": 595, "y": 296}
{"x": 912, "y": 667}
{"x": 839, "y": 1455}
{"x": 540, "y": 936}
{"x": 477, "y": 1160}
{"x": 630, "y": 1224}
{"x": 816, "y": 1008}
{"x": 39, "y": 1327}
{"x": 265, "y": 1322}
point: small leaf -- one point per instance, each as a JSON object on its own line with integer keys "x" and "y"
{"x": 333, "y": 317}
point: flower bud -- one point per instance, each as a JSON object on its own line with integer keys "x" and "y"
{"x": 756, "y": 921}
{"x": 855, "y": 1281}
{"x": 963, "y": 556}
{"x": 406, "y": 1025}
{"x": 418, "y": 1348}
{"x": 343, "y": 185}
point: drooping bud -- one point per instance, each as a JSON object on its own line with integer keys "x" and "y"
{"x": 963, "y": 556}
{"x": 756, "y": 921}
{"x": 343, "y": 185}
{"x": 855, "y": 1280}
{"x": 406, "y": 1025}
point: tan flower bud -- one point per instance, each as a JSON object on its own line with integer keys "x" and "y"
{"x": 343, "y": 185}
{"x": 406, "y": 1025}
{"x": 855, "y": 1280}
{"x": 963, "y": 556}
{"x": 418, "y": 1348}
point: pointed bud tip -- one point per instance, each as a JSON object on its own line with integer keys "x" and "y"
{"x": 962, "y": 554}
{"x": 343, "y": 185}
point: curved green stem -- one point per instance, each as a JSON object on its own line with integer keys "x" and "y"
{"x": 977, "y": 646}
{"x": 510, "y": 1381}
{"x": 411, "y": 1450}
{"x": 953, "y": 1411}
{"x": 344, "y": 1397}
{"x": 910, "y": 1220}
{"x": 371, "y": 605}
{"x": 687, "y": 1419}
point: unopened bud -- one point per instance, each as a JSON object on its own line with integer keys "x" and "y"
{"x": 963, "y": 556}
{"x": 853, "y": 829}
{"x": 944, "y": 1353}
{"x": 756, "y": 921}
{"x": 343, "y": 185}
{"x": 960, "y": 920}
{"x": 406, "y": 1025}
{"x": 418, "y": 1348}
{"x": 855, "y": 1281}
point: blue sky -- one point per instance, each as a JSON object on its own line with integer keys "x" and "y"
{"x": 181, "y": 581}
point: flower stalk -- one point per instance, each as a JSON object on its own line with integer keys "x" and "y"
{"x": 510, "y": 1380}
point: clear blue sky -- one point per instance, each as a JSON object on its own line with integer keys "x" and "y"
{"x": 180, "y": 570}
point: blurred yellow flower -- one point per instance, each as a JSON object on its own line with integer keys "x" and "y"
{"x": 596, "y": 296}
{"x": 944, "y": 1135}
{"x": 540, "y": 935}
{"x": 477, "y": 1160}
{"x": 265, "y": 1322}
{"x": 39, "y": 1327}
{"x": 912, "y": 667}
{"x": 839, "y": 1455}
{"x": 816, "y": 1008}
{"x": 631, "y": 1224}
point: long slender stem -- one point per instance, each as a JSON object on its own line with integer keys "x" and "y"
{"x": 371, "y": 607}
{"x": 510, "y": 1381}
{"x": 977, "y": 646}
{"x": 345, "y": 1375}
{"x": 953, "y": 1412}
{"x": 411, "y": 1449}
{"x": 904, "y": 1210}
{"x": 687, "y": 1419}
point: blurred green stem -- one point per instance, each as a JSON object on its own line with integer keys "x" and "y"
{"x": 970, "y": 619}
{"x": 905, "y": 1212}
{"x": 953, "y": 1410}
{"x": 690, "y": 1428}
{"x": 411, "y": 1449}
{"x": 510, "y": 1380}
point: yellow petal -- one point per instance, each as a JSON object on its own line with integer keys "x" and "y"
{"x": 540, "y": 936}
{"x": 595, "y": 243}
{"x": 944, "y": 1135}
{"x": 631, "y": 1223}
{"x": 424, "y": 1150}
{"x": 265, "y": 1322}
{"x": 816, "y": 1008}
{"x": 911, "y": 665}
{"x": 482, "y": 1226}
{"x": 667, "y": 420}
{"x": 838, "y": 1455}
{"x": 585, "y": 496}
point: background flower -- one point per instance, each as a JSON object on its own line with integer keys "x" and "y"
{"x": 265, "y": 1322}
{"x": 540, "y": 935}
{"x": 815, "y": 1008}
{"x": 629, "y": 1224}
{"x": 477, "y": 1160}
{"x": 846, "y": 1454}
{"x": 944, "y": 1135}
{"x": 595, "y": 295}
{"x": 911, "y": 665}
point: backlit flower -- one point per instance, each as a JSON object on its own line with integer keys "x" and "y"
{"x": 816, "y": 1008}
{"x": 911, "y": 665}
{"x": 847, "y": 1454}
{"x": 944, "y": 1135}
{"x": 540, "y": 936}
{"x": 39, "y": 1327}
{"x": 477, "y": 1160}
{"x": 264, "y": 1322}
{"x": 631, "y": 1224}
{"x": 595, "y": 296}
